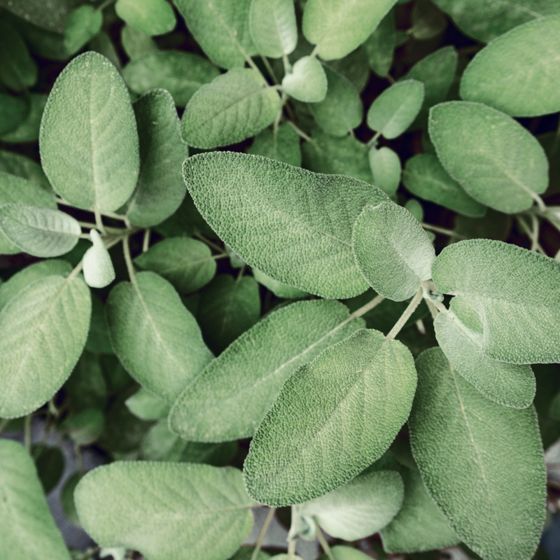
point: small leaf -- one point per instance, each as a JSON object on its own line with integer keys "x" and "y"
{"x": 427, "y": 21}
{"x": 380, "y": 45}
{"x": 147, "y": 405}
{"x": 137, "y": 44}
{"x": 482, "y": 463}
{"x": 24, "y": 167}
{"x": 141, "y": 505}
{"x": 497, "y": 161}
{"x": 98, "y": 267}
{"x": 273, "y": 27}
{"x": 153, "y": 17}
{"x": 306, "y": 81}
{"x": 40, "y": 232}
{"x": 18, "y": 70}
{"x": 281, "y": 144}
{"x": 331, "y": 419}
{"x": 392, "y": 250}
{"x": 396, "y": 108}
{"x": 82, "y": 24}
{"x": 28, "y": 129}
{"x": 13, "y": 111}
{"x": 386, "y": 169}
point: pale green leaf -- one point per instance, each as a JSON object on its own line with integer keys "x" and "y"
{"x": 97, "y": 264}
{"x": 137, "y": 44}
{"x": 482, "y": 463}
{"x": 28, "y": 128}
{"x": 88, "y": 139}
{"x": 517, "y": 73}
{"x": 166, "y": 510}
{"x": 273, "y": 27}
{"x": 331, "y": 420}
{"x": 497, "y": 161}
{"x": 380, "y": 45}
{"x": 306, "y": 81}
{"x": 292, "y": 224}
{"x": 392, "y": 250}
{"x": 82, "y": 24}
{"x": 18, "y": 70}
{"x": 386, "y": 169}
{"x": 246, "y": 553}
{"x": 277, "y": 288}
{"x": 147, "y": 405}
{"x": 43, "y": 330}
{"x": 345, "y": 553}
{"x": 27, "y": 529}
{"x": 153, "y": 17}
{"x": 154, "y": 336}
{"x": 249, "y": 374}
{"x": 281, "y": 144}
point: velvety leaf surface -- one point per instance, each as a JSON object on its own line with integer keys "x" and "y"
{"x": 306, "y": 81}
{"x": 273, "y": 27}
{"x": 282, "y": 145}
{"x": 97, "y": 264}
{"x": 154, "y": 17}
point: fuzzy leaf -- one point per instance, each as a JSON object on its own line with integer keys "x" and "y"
{"x": 28, "y": 129}
{"x": 277, "y": 288}
{"x": 282, "y": 145}
{"x": 273, "y": 27}
{"x": 306, "y": 81}
{"x": 386, "y": 169}
{"x": 153, "y": 17}
{"x": 98, "y": 267}
{"x": 380, "y": 45}
{"x": 81, "y": 26}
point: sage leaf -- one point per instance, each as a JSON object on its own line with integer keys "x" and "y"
{"x": 18, "y": 70}
{"x": 392, "y": 250}
{"x": 516, "y": 72}
{"x": 28, "y": 129}
{"x": 386, "y": 169}
{"x": 43, "y": 331}
{"x": 306, "y": 81}
{"x": 380, "y": 45}
{"x": 13, "y": 111}
{"x": 97, "y": 264}
{"x": 40, "y": 232}
{"x": 345, "y": 553}
{"x": 346, "y": 426}
{"x": 137, "y": 44}
{"x": 147, "y": 405}
{"x": 475, "y": 457}
{"x": 281, "y": 144}
{"x": 45, "y": 14}
{"x": 273, "y": 27}
{"x": 155, "y": 337}
{"x": 497, "y": 161}
{"x": 82, "y": 24}
{"x": 231, "y": 108}
{"x": 292, "y": 224}
{"x": 27, "y": 529}
{"x": 140, "y": 505}
{"x": 250, "y": 373}
{"x": 153, "y": 17}
{"x": 11, "y": 164}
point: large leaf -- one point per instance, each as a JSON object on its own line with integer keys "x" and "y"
{"x": 47, "y": 14}
{"x": 333, "y": 418}
{"x": 497, "y": 161}
{"x": 166, "y": 510}
{"x": 392, "y": 250}
{"x": 273, "y": 27}
{"x": 160, "y": 188}
{"x": 43, "y": 330}
{"x": 337, "y": 28}
{"x": 517, "y": 72}
{"x": 233, "y": 107}
{"x": 292, "y": 224}
{"x": 514, "y": 292}
{"x": 249, "y": 374}
{"x": 88, "y": 138}
{"x": 154, "y": 336}
{"x": 482, "y": 463}
{"x": 27, "y": 529}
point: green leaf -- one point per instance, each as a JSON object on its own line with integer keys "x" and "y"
{"x": 16, "y": 164}
{"x": 82, "y": 24}
{"x": 425, "y": 177}
{"x": 233, "y": 107}
{"x": 147, "y": 405}
{"x": 306, "y": 81}
{"x": 160, "y": 189}
{"x": 420, "y": 525}
{"x": 396, "y": 108}
{"x": 354, "y": 67}
{"x": 482, "y": 463}
{"x": 165, "y": 510}
{"x": 380, "y": 45}
{"x": 46, "y": 14}
{"x": 221, "y": 28}
{"x": 13, "y": 112}
{"x": 331, "y": 420}
{"x": 97, "y": 264}
{"x": 427, "y": 21}
{"x": 360, "y": 508}
{"x": 497, "y": 161}
{"x": 155, "y": 337}
{"x": 40, "y": 232}
{"x": 516, "y": 72}
{"x": 84, "y": 427}
{"x": 187, "y": 263}
{"x": 341, "y": 110}
{"x": 250, "y": 373}
{"x": 27, "y": 529}
{"x": 292, "y": 224}
{"x": 88, "y": 138}
{"x": 386, "y": 169}
{"x": 43, "y": 330}
{"x": 137, "y": 44}
{"x": 392, "y": 250}
{"x": 273, "y": 27}
{"x": 282, "y": 145}
{"x": 181, "y": 73}
{"x": 18, "y": 70}
{"x": 246, "y": 553}
{"x": 345, "y": 553}
{"x": 28, "y": 129}
{"x": 153, "y": 17}
{"x": 336, "y": 28}
{"x": 514, "y": 293}
{"x": 277, "y": 288}
{"x": 459, "y": 334}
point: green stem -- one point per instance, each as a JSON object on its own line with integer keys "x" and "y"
{"x": 262, "y": 533}
{"x": 128, "y": 259}
{"x": 324, "y": 544}
{"x": 301, "y": 133}
{"x": 443, "y": 231}
{"x": 146, "y": 240}
{"x": 366, "y": 308}
{"x": 407, "y": 313}
{"x": 373, "y": 141}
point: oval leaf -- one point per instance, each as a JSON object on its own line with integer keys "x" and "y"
{"x": 306, "y": 81}
{"x": 98, "y": 267}
{"x": 153, "y": 17}
{"x": 273, "y": 27}
{"x": 386, "y": 169}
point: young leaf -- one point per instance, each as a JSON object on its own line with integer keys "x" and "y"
{"x": 147, "y": 405}
{"x": 514, "y": 293}
{"x": 386, "y": 169}
{"x": 137, "y": 44}
{"x": 88, "y": 139}
{"x": 425, "y": 177}
{"x": 13, "y": 111}
{"x": 43, "y": 330}
{"x": 97, "y": 264}
{"x": 273, "y": 27}
{"x": 28, "y": 129}
{"x": 27, "y": 529}
{"x": 154, "y": 336}
{"x": 392, "y": 250}
{"x": 331, "y": 419}
{"x": 306, "y": 81}
{"x": 337, "y": 28}
{"x": 249, "y": 374}
{"x": 18, "y": 70}
{"x": 380, "y": 45}
{"x": 396, "y": 108}
{"x": 160, "y": 189}
{"x": 360, "y": 508}
{"x": 40, "y": 232}
{"x": 233, "y": 107}
{"x": 497, "y": 161}
{"x": 516, "y": 72}
{"x": 153, "y": 17}
{"x": 180, "y": 73}
{"x": 281, "y": 144}
{"x": 82, "y": 24}
{"x": 482, "y": 463}
{"x": 292, "y": 224}
{"x": 166, "y": 509}
{"x": 24, "y": 167}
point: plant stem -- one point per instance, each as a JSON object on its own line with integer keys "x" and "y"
{"x": 128, "y": 259}
{"x": 27, "y": 432}
{"x": 291, "y": 549}
{"x": 407, "y": 313}
{"x": 99, "y": 221}
{"x": 324, "y": 544}
{"x": 146, "y": 240}
{"x": 373, "y": 141}
{"x": 214, "y": 246}
{"x": 262, "y": 533}
{"x": 301, "y": 133}
{"x": 365, "y": 308}
{"x": 443, "y": 231}
{"x": 269, "y": 69}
